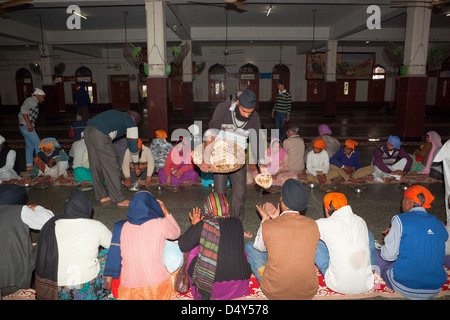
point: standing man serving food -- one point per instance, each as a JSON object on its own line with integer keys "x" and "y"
{"x": 238, "y": 115}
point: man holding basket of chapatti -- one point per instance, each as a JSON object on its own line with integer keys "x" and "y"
{"x": 232, "y": 124}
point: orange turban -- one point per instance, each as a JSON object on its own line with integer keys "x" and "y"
{"x": 139, "y": 143}
{"x": 413, "y": 191}
{"x": 351, "y": 143}
{"x": 338, "y": 200}
{"x": 320, "y": 143}
{"x": 161, "y": 134}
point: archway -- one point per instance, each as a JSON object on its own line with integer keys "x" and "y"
{"x": 217, "y": 78}
{"x": 249, "y": 79}
{"x": 443, "y": 85}
{"x": 24, "y": 85}
{"x": 280, "y": 72}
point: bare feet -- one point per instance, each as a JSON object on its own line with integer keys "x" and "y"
{"x": 105, "y": 199}
{"x": 124, "y": 203}
{"x": 359, "y": 180}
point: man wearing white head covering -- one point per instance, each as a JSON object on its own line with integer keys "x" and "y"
{"x": 444, "y": 156}
{"x": 9, "y": 165}
{"x": 28, "y": 115}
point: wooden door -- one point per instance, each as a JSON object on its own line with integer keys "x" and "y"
{"x": 314, "y": 91}
{"x": 217, "y": 87}
{"x": 345, "y": 90}
{"x": 250, "y": 81}
{"x": 120, "y": 92}
{"x": 376, "y": 90}
{"x": 177, "y": 94}
{"x": 443, "y": 89}
{"x": 24, "y": 87}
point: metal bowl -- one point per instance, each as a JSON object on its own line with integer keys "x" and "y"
{"x": 174, "y": 188}
{"x": 404, "y": 186}
{"x": 358, "y": 188}
{"x": 311, "y": 185}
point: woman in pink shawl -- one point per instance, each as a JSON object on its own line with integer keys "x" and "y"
{"x": 276, "y": 162}
{"x": 178, "y": 169}
{"x": 435, "y": 139}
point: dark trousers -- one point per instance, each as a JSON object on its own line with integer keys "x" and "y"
{"x": 238, "y": 180}
{"x": 104, "y": 164}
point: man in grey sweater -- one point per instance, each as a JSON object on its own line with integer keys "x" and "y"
{"x": 235, "y": 115}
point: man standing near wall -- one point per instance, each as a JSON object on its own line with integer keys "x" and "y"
{"x": 281, "y": 111}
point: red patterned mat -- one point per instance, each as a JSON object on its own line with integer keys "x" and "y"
{"x": 323, "y": 292}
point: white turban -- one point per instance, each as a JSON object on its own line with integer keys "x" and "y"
{"x": 2, "y": 139}
{"x": 39, "y": 92}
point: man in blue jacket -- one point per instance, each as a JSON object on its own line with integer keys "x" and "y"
{"x": 412, "y": 257}
{"x": 345, "y": 164}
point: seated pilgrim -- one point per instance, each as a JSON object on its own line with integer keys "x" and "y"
{"x": 179, "y": 168}
{"x": 51, "y": 160}
{"x": 142, "y": 172}
{"x": 9, "y": 163}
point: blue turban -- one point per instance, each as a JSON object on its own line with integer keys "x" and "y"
{"x": 395, "y": 141}
{"x": 294, "y": 195}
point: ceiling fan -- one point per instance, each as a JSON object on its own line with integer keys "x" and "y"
{"x": 13, "y": 5}
{"x": 231, "y": 5}
{"x": 42, "y": 47}
{"x": 227, "y": 52}
{"x": 117, "y": 66}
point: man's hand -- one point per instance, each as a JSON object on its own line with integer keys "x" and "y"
{"x": 205, "y": 167}
{"x": 127, "y": 182}
{"x": 268, "y": 211}
{"x": 32, "y": 206}
{"x": 398, "y": 173}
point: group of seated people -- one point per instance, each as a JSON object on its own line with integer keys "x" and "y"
{"x": 79, "y": 258}
{"x": 161, "y": 157}
{"x": 326, "y": 162}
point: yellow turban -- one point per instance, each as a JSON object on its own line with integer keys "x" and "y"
{"x": 47, "y": 143}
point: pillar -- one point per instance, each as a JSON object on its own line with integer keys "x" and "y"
{"x": 187, "y": 86}
{"x": 412, "y": 91}
{"x": 156, "y": 80}
{"x": 330, "y": 88}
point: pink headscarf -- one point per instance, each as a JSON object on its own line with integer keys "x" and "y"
{"x": 435, "y": 140}
{"x": 275, "y": 158}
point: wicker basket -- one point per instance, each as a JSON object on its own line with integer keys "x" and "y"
{"x": 226, "y": 156}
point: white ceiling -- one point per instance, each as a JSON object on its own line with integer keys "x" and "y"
{"x": 203, "y": 22}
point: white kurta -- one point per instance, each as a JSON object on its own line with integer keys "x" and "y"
{"x": 444, "y": 156}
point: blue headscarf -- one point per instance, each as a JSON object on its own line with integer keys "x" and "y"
{"x": 142, "y": 208}
{"x": 395, "y": 141}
